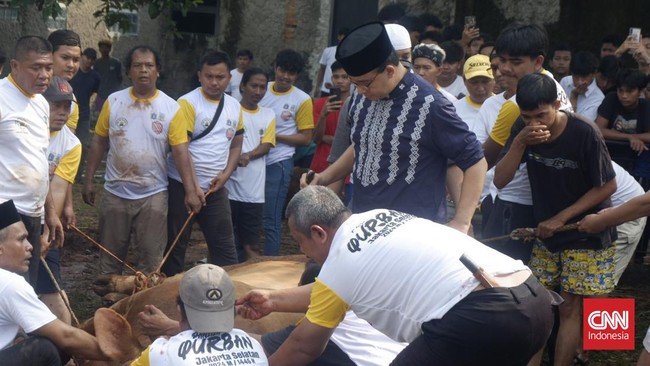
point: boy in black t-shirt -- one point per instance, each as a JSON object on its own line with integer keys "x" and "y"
{"x": 571, "y": 175}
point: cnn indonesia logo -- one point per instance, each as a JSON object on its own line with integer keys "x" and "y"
{"x": 608, "y": 324}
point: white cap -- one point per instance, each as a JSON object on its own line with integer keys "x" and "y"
{"x": 399, "y": 36}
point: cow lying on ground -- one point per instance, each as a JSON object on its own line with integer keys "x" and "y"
{"x": 266, "y": 272}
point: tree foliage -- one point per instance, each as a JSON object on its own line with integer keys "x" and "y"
{"x": 111, "y": 11}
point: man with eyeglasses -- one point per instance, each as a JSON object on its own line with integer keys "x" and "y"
{"x": 138, "y": 126}
{"x": 403, "y": 132}
{"x": 215, "y": 146}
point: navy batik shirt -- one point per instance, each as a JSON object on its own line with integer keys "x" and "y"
{"x": 402, "y": 144}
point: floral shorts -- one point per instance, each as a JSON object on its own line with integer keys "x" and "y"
{"x": 576, "y": 271}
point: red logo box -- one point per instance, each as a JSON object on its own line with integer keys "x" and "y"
{"x": 608, "y": 324}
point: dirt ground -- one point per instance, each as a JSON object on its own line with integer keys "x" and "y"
{"x": 80, "y": 258}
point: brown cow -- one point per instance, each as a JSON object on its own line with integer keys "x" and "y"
{"x": 266, "y": 272}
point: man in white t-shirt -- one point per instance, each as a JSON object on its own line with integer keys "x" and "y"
{"x": 63, "y": 157}
{"x": 243, "y": 60}
{"x": 24, "y": 137}
{"x": 581, "y": 87}
{"x": 137, "y": 126}
{"x": 294, "y": 125}
{"x": 207, "y": 335}
{"x": 214, "y": 147}
{"x": 479, "y": 82}
{"x": 324, "y": 77}
{"x": 44, "y": 335}
{"x": 385, "y": 266}
{"x": 449, "y": 78}
{"x": 246, "y": 184}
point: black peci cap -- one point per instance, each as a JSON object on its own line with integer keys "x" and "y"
{"x": 364, "y": 49}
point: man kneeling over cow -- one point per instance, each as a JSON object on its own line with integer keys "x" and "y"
{"x": 384, "y": 266}
{"x": 48, "y": 341}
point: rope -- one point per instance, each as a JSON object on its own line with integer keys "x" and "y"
{"x": 58, "y": 288}
{"x": 103, "y": 248}
{"x": 527, "y": 233}
{"x": 178, "y": 236}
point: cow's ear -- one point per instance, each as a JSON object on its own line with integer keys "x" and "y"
{"x": 114, "y": 335}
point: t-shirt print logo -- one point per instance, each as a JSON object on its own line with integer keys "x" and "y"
{"x": 157, "y": 127}
{"x": 608, "y": 324}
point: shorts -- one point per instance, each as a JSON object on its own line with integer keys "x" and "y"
{"x": 247, "y": 223}
{"x": 45, "y": 285}
{"x": 585, "y": 272}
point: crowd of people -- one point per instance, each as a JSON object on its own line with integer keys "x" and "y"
{"x": 408, "y": 119}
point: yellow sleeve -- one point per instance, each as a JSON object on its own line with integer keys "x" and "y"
{"x": 507, "y": 116}
{"x": 269, "y": 135}
{"x": 325, "y": 307}
{"x": 240, "y": 125}
{"x": 69, "y": 164}
{"x": 188, "y": 114}
{"x": 143, "y": 360}
{"x": 305, "y": 115}
{"x": 177, "y": 129}
{"x": 73, "y": 119}
{"x": 101, "y": 128}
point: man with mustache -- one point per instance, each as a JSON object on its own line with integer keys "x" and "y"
{"x": 213, "y": 119}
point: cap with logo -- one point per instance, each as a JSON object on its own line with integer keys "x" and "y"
{"x": 477, "y": 65}
{"x": 366, "y": 48}
{"x": 8, "y": 214}
{"x": 58, "y": 91}
{"x": 208, "y": 295}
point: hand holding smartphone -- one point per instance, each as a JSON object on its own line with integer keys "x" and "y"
{"x": 336, "y": 92}
{"x": 635, "y": 34}
{"x": 470, "y": 22}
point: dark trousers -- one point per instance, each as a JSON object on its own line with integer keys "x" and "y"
{"x": 499, "y": 326}
{"x": 332, "y": 355}
{"x": 504, "y": 217}
{"x": 34, "y": 231}
{"x": 215, "y": 222}
{"x": 33, "y": 351}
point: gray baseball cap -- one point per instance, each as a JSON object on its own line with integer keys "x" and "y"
{"x": 58, "y": 91}
{"x": 208, "y": 294}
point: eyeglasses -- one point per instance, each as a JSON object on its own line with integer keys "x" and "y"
{"x": 366, "y": 85}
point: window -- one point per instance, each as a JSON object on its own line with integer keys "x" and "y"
{"x": 134, "y": 28}
{"x": 8, "y": 12}
{"x": 60, "y": 22}
{"x": 202, "y": 18}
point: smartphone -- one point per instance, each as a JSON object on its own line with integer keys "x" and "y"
{"x": 635, "y": 33}
{"x": 337, "y": 94}
{"x": 470, "y": 21}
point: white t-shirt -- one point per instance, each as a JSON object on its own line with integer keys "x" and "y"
{"x": 447, "y": 94}
{"x": 24, "y": 137}
{"x": 209, "y": 153}
{"x": 191, "y": 348}
{"x": 626, "y": 186}
{"x": 233, "y": 86}
{"x": 365, "y": 345}
{"x": 246, "y": 184}
{"x": 467, "y": 110}
{"x": 487, "y": 115}
{"x": 19, "y": 308}
{"x": 293, "y": 112}
{"x": 64, "y": 155}
{"x": 457, "y": 88}
{"x": 397, "y": 271}
{"x": 327, "y": 59}
{"x": 140, "y": 132}
{"x": 586, "y": 104}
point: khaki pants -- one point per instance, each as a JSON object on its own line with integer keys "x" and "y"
{"x": 629, "y": 235}
{"x": 145, "y": 218}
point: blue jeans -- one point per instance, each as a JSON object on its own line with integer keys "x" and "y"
{"x": 278, "y": 177}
